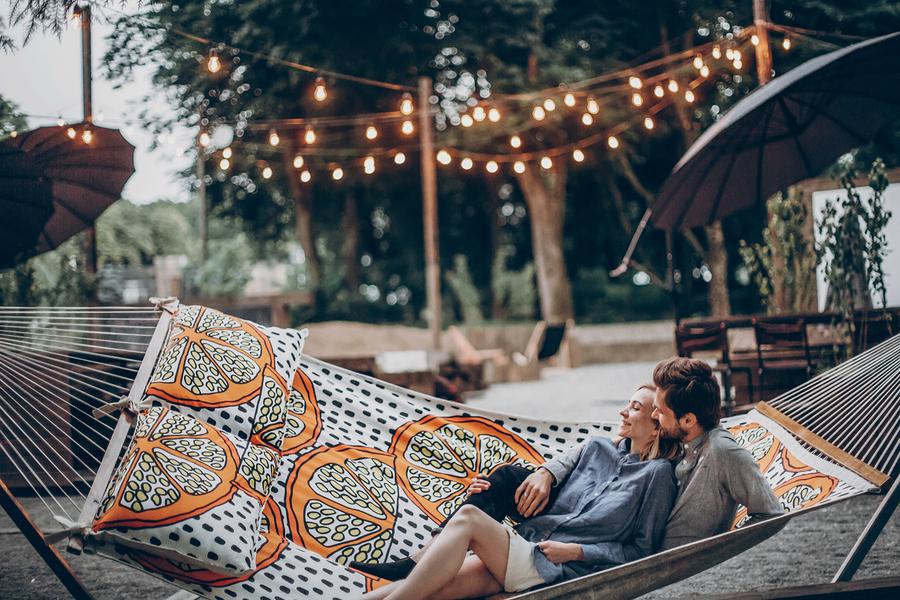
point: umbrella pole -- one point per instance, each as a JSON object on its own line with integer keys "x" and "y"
{"x": 90, "y": 235}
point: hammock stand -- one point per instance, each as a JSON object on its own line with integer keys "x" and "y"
{"x": 873, "y": 458}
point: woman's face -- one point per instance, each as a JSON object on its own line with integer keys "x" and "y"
{"x": 637, "y": 421}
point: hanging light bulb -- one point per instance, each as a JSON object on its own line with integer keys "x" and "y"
{"x": 613, "y": 142}
{"x": 337, "y": 174}
{"x": 226, "y": 153}
{"x": 515, "y": 141}
{"x": 444, "y": 157}
{"x": 592, "y": 106}
{"x": 478, "y": 114}
{"x": 267, "y": 172}
{"x": 224, "y": 164}
{"x": 320, "y": 92}
{"x": 688, "y": 96}
{"x": 738, "y": 64}
{"x": 704, "y": 71}
{"x": 491, "y": 166}
{"x": 369, "y": 165}
{"x": 87, "y": 136}
{"x": 467, "y": 120}
{"x": 60, "y": 121}
{"x": 754, "y": 39}
{"x": 13, "y": 133}
{"x": 466, "y": 163}
{"x": 305, "y": 176}
{"x": 406, "y": 104}
{"x": 673, "y": 86}
{"x": 729, "y": 54}
{"x": 549, "y": 105}
{"x": 658, "y": 91}
{"x": 786, "y": 43}
{"x": 399, "y": 158}
{"x": 736, "y": 55}
{"x": 519, "y": 166}
{"x": 587, "y": 119}
{"x": 298, "y": 162}
{"x": 538, "y": 113}
{"x": 71, "y": 133}
{"x": 204, "y": 139}
{"x": 273, "y": 138}
{"x": 635, "y": 82}
{"x": 371, "y": 132}
{"x": 648, "y": 123}
{"x": 716, "y": 52}
{"x": 212, "y": 62}
{"x": 577, "y": 155}
{"x": 493, "y": 115}
{"x": 546, "y": 163}
{"x": 407, "y": 128}
{"x": 698, "y": 62}
{"x": 569, "y": 100}
{"x": 637, "y": 99}
{"x": 310, "y": 136}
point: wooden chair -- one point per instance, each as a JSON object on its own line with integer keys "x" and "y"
{"x": 548, "y": 341}
{"x": 873, "y": 327}
{"x": 713, "y": 339}
{"x": 781, "y": 347}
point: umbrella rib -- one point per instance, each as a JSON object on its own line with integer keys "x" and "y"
{"x": 759, "y": 159}
{"x": 692, "y": 166}
{"x": 797, "y": 129}
{"x": 78, "y": 214}
{"x": 818, "y": 111}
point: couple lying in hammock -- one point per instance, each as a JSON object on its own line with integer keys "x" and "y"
{"x": 673, "y": 478}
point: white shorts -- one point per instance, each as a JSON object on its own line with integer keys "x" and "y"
{"x": 521, "y": 573}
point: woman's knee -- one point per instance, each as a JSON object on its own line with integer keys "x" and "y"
{"x": 467, "y": 515}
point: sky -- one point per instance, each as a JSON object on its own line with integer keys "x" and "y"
{"x": 43, "y": 77}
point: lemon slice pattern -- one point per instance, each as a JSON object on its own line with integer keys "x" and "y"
{"x": 303, "y": 422}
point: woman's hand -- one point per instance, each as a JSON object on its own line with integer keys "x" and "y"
{"x": 478, "y": 484}
{"x": 561, "y": 552}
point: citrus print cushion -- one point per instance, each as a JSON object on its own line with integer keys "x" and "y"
{"x": 228, "y": 372}
{"x": 189, "y": 492}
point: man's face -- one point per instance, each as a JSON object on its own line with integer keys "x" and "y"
{"x": 668, "y": 423}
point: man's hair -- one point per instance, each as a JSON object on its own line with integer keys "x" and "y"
{"x": 688, "y": 386}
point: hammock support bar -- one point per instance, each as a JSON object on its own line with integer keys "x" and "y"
{"x": 869, "y": 535}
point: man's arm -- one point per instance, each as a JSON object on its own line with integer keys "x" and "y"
{"x": 747, "y": 485}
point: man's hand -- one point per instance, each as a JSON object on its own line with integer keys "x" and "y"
{"x": 534, "y": 493}
{"x": 478, "y": 484}
{"x": 561, "y": 552}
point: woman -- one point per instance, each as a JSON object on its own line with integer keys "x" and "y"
{"x": 611, "y": 509}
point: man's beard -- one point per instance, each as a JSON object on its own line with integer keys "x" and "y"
{"x": 673, "y": 434}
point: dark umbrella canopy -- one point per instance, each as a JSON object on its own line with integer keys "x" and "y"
{"x": 786, "y": 131}
{"x": 24, "y": 203}
{"x": 80, "y": 179}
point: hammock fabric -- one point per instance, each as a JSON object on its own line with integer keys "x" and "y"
{"x": 368, "y": 468}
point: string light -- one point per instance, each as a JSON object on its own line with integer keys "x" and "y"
{"x": 406, "y": 104}
{"x": 305, "y": 176}
{"x": 224, "y": 164}
{"x": 444, "y": 157}
{"x": 226, "y": 153}
{"x": 337, "y": 174}
{"x": 298, "y": 162}
{"x": 546, "y": 163}
{"x": 689, "y": 96}
{"x": 321, "y": 92}
{"x": 673, "y": 86}
{"x": 578, "y": 155}
{"x": 754, "y": 39}
{"x": 738, "y": 64}
{"x": 587, "y": 119}
{"x": 637, "y": 99}
{"x": 14, "y": 134}
{"x": 698, "y": 62}
{"x": 729, "y": 54}
{"x": 635, "y": 82}
{"x": 613, "y": 142}
{"x": 71, "y": 133}
{"x": 786, "y": 43}
{"x": 371, "y": 132}
{"x": 267, "y": 173}
{"x": 87, "y": 136}
{"x": 549, "y": 105}
{"x": 592, "y": 106}
{"x": 492, "y": 166}
{"x": 736, "y": 55}
{"x": 519, "y": 166}
{"x": 569, "y": 100}
{"x": 515, "y": 141}
{"x": 704, "y": 71}
{"x": 538, "y": 113}
{"x": 467, "y": 120}
{"x": 648, "y": 123}
{"x": 204, "y": 138}
{"x": 310, "y": 136}
{"x": 658, "y": 91}
{"x": 716, "y": 52}
{"x": 493, "y": 115}
{"x": 212, "y": 63}
{"x": 273, "y": 138}
{"x": 399, "y": 158}
{"x": 369, "y": 165}
{"x": 407, "y": 128}
{"x": 478, "y": 114}
{"x": 60, "y": 121}
{"x": 466, "y": 163}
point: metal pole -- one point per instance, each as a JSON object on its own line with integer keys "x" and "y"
{"x": 869, "y": 535}
{"x": 763, "y": 51}
{"x": 201, "y": 197}
{"x": 430, "y": 215}
{"x": 90, "y": 236}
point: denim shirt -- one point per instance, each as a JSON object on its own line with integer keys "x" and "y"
{"x": 611, "y": 503}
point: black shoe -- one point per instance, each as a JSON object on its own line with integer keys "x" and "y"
{"x": 392, "y": 571}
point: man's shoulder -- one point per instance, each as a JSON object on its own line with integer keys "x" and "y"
{"x": 722, "y": 446}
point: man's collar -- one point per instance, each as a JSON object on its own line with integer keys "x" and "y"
{"x": 697, "y": 442}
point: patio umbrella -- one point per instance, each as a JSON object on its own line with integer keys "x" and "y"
{"x": 24, "y": 202}
{"x": 784, "y": 132}
{"x": 79, "y": 176}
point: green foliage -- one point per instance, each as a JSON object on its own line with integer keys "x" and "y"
{"x": 787, "y": 254}
{"x": 601, "y": 300}
{"x": 459, "y": 280}
{"x": 513, "y": 289}
{"x": 226, "y": 271}
{"x": 131, "y": 235}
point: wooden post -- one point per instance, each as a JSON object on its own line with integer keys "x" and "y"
{"x": 90, "y": 235}
{"x": 430, "y": 215}
{"x": 869, "y": 535}
{"x": 201, "y": 197}
{"x": 763, "y": 51}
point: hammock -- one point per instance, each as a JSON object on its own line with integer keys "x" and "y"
{"x": 369, "y": 467}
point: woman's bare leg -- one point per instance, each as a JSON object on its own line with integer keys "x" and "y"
{"x": 382, "y": 592}
{"x": 472, "y": 581}
{"x": 469, "y": 528}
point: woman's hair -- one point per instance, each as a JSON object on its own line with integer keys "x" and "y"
{"x": 660, "y": 447}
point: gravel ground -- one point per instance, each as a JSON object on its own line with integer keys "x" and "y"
{"x": 808, "y": 551}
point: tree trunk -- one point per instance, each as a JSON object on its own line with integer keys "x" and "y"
{"x": 350, "y": 245}
{"x": 545, "y": 197}
{"x": 303, "y": 225}
{"x": 717, "y": 261}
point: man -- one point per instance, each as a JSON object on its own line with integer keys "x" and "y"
{"x": 715, "y": 474}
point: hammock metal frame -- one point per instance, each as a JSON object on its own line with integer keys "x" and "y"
{"x": 626, "y": 581}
